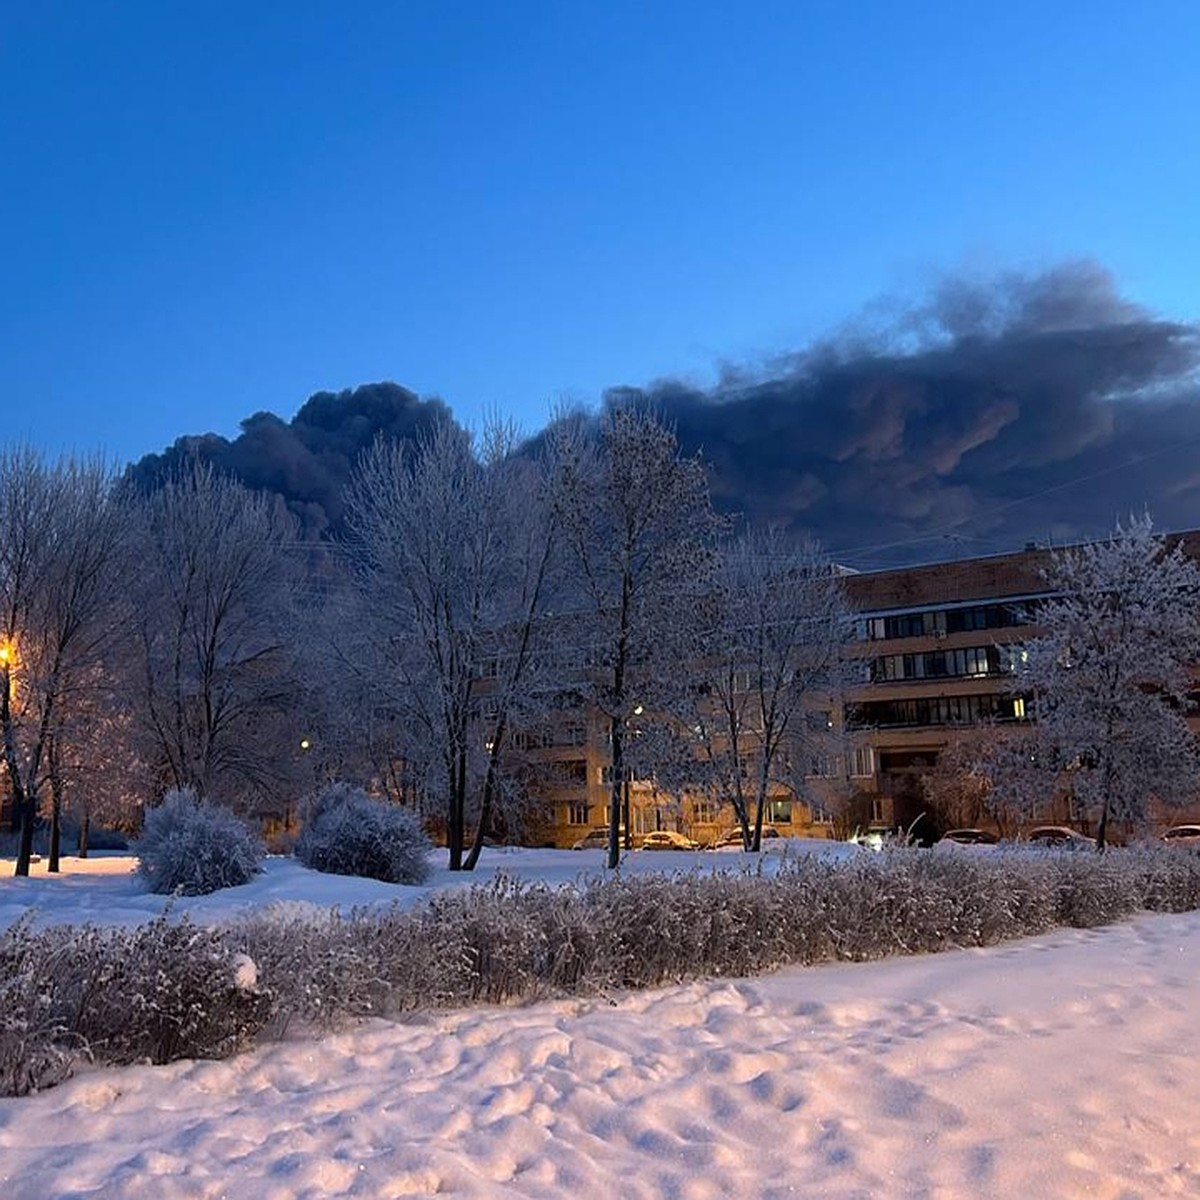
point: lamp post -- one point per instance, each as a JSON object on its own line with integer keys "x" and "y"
{"x": 637, "y": 712}
{"x": 7, "y": 658}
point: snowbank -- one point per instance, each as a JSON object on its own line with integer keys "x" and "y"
{"x": 1051, "y": 1067}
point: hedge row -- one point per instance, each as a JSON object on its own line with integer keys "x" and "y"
{"x": 171, "y": 990}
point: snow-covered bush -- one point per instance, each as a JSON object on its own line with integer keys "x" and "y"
{"x": 510, "y": 941}
{"x": 349, "y": 833}
{"x": 191, "y": 847}
{"x": 169, "y": 989}
{"x": 162, "y": 991}
{"x": 34, "y": 1049}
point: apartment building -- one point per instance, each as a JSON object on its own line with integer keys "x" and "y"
{"x": 937, "y": 644}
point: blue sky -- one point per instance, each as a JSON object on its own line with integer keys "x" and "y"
{"x": 215, "y": 208}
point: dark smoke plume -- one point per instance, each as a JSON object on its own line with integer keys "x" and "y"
{"x": 306, "y": 461}
{"x": 1025, "y": 408}
{"x": 1032, "y": 408}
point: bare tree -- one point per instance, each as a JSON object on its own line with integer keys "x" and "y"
{"x": 641, "y": 535}
{"x": 958, "y": 789}
{"x": 60, "y": 587}
{"x": 95, "y": 773}
{"x": 218, "y": 689}
{"x": 1109, "y": 676}
{"x": 773, "y": 675}
{"x": 454, "y": 541}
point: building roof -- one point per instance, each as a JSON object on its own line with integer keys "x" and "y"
{"x": 982, "y": 579}
{"x": 987, "y": 579}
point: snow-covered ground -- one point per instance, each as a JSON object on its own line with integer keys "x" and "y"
{"x": 1058, "y": 1066}
{"x": 104, "y": 889}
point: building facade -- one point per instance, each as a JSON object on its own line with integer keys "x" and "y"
{"x": 937, "y": 645}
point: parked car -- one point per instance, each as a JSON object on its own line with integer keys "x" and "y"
{"x": 1183, "y": 835}
{"x": 597, "y": 839}
{"x": 732, "y": 840}
{"x": 668, "y": 839}
{"x": 970, "y": 837}
{"x": 1059, "y": 837}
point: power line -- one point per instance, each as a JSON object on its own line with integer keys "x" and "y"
{"x": 944, "y": 529}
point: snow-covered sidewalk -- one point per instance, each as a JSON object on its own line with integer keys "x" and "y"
{"x": 1059, "y": 1066}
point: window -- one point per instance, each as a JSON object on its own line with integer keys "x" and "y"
{"x": 864, "y": 761}
{"x": 970, "y": 662}
{"x": 877, "y": 813}
{"x": 636, "y": 774}
{"x": 937, "y": 710}
{"x": 779, "y": 812}
{"x": 822, "y": 766}
{"x": 704, "y": 812}
{"x": 531, "y": 739}
{"x": 641, "y": 823}
{"x": 577, "y": 814}
{"x": 571, "y": 773}
{"x": 939, "y": 622}
{"x": 569, "y": 733}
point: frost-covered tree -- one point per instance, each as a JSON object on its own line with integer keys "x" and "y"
{"x": 453, "y": 538}
{"x": 641, "y": 537}
{"x": 217, "y": 683}
{"x": 773, "y": 673}
{"x": 94, "y": 774}
{"x": 61, "y": 577}
{"x": 1109, "y": 677}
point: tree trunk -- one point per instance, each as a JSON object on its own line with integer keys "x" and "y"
{"x": 760, "y": 805}
{"x": 55, "y": 835}
{"x": 458, "y": 804}
{"x": 56, "y": 798}
{"x": 28, "y": 810}
{"x": 626, "y": 815}
{"x": 489, "y": 788}
{"x": 1102, "y": 826}
{"x": 85, "y": 825}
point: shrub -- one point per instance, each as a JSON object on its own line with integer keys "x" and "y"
{"x": 192, "y": 848}
{"x": 162, "y": 991}
{"x": 168, "y": 989}
{"x": 349, "y": 833}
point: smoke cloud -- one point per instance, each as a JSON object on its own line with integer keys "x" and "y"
{"x": 1029, "y": 407}
{"x": 1025, "y": 408}
{"x": 308, "y": 460}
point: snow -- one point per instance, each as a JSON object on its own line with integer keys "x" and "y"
{"x": 103, "y": 889}
{"x": 1055, "y": 1066}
